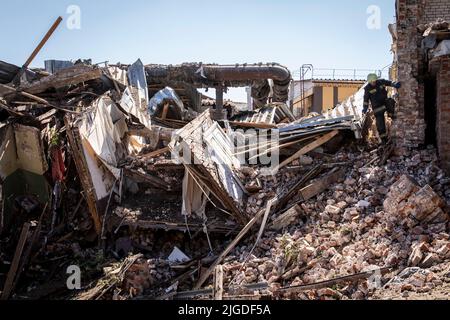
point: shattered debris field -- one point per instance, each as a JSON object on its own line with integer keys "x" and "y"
{"x": 124, "y": 182}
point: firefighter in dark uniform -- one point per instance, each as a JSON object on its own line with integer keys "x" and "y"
{"x": 376, "y": 93}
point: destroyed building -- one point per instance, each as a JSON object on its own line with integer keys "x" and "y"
{"x": 421, "y": 62}
{"x": 158, "y": 192}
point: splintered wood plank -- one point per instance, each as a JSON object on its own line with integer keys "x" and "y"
{"x": 320, "y": 185}
{"x": 156, "y": 153}
{"x": 308, "y": 148}
{"x": 286, "y": 218}
{"x": 147, "y": 178}
{"x": 15, "y": 263}
{"x": 229, "y": 248}
{"x": 74, "y": 138}
{"x": 165, "y": 111}
{"x": 218, "y": 283}
{"x": 66, "y": 77}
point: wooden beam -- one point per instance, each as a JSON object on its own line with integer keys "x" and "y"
{"x": 147, "y": 178}
{"x": 15, "y": 263}
{"x": 286, "y": 218}
{"x": 320, "y": 185}
{"x": 76, "y": 146}
{"x": 218, "y": 283}
{"x": 333, "y": 282}
{"x": 43, "y": 42}
{"x": 63, "y": 78}
{"x": 310, "y": 147}
{"x": 156, "y": 153}
{"x": 258, "y": 125}
{"x": 294, "y": 190}
{"x": 11, "y": 111}
{"x": 229, "y": 248}
{"x": 165, "y": 111}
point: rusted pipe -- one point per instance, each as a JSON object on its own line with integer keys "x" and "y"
{"x": 212, "y": 76}
{"x": 247, "y": 72}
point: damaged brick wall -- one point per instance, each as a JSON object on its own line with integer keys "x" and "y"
{"x": 443, "y": 112}
{"x": 435, "y": 9}
{"x": 410, "y": 125}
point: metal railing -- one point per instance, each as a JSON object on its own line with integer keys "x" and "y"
{"x": 337, "y": 74}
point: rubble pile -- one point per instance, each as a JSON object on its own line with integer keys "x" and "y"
{"x": 152, "y": 202}
{"x": 376, "y": 217}
{"x": 146, "y": 274}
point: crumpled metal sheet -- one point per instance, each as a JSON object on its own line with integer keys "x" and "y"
{"x": 138, "y": 79}
{"x": 166, "y": 95}
{"x": 442, "y": 49}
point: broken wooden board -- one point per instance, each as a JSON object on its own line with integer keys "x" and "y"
{"x": 310, "y": 147}
{"x": 294, "y": 190}
{"x": 146, "y": 178}
{"x": 7, "y": 289}
{"x": 30, "y": 149}
{"x": 156, "y": 153}
{"x": 286, "y": 218}
{"x": 63, "y": 78}
{"x": 218, "y": 283}
{"x": 76, "y": 146}
{"x": 229, "y": 248}
{"x": 333, "y": 282}
{"x": 156, "y": 133}
{"x": 320, "y": 185}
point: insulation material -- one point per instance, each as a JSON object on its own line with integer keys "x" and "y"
{"x": 118, "y": 75}
{"x": 442, "y": 49}
{"x": 195, "y": 196}
{"x": 138, "y": 79}
{"x": 128, "y": 103}
{"x": 101, "y": 178}
{"x": 104, "y": 129}
{"x": 136, "y": 144}
{"x": 220, "y": 149}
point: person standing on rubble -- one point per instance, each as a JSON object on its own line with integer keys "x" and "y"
{"x": 376, "y": 93}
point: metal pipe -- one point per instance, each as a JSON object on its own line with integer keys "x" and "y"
{"x": 247, "y": 72}
{"x": 211, "y": 76}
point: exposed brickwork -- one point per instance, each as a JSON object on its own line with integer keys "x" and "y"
{"x": 410, "y": 125}
{"x": 436, "y": 9}
{"x": 443, "y": 112}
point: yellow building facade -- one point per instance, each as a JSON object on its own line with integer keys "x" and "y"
{"x": 323, "y": 95}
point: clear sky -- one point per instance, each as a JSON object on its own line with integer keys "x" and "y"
{"x": 325, "y": 33}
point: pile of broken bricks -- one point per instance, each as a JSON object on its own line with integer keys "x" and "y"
{"x": 376, "y": 217}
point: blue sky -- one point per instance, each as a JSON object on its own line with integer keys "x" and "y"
{"x": 325, "y": 33}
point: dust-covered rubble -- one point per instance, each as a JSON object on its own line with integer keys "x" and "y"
{"x": 379, "y": 216}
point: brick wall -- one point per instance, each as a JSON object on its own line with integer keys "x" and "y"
{"x": 409, "y": 128}
{"x": 443, "y": 112}
{"x": 436, "y": 9}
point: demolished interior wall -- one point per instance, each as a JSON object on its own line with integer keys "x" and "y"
{"x": 417, "y": 108}
{"x": 22, "y": 167}
{"x": 443, "y": 111}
